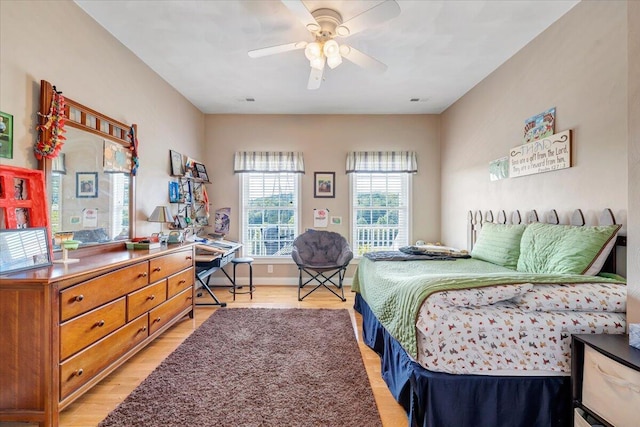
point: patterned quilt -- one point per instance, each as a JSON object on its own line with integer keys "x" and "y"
{"x": 395, "y": 291}
{"x": 515, "y": 329}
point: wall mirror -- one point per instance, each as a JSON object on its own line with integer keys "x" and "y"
{"x": 90, "y": 188}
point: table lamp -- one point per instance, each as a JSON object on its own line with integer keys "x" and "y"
{"x": 161, "y": 214}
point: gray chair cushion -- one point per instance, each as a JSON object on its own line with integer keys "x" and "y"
{"x": 321, "y": 249}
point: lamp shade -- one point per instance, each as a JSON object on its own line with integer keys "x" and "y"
{"x": 160, "y": 214}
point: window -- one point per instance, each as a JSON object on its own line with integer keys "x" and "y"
{"x": 269, "y": 213}
{"x": 380, "y": 199}
{"x": 380, "y": 211}
{"x": 270, "y": 188}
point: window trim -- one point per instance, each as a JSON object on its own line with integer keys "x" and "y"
{"x": 267, "y": 259}
{"x": 352, "y": 209}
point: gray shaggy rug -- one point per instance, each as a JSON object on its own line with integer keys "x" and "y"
{"x": 258, "y": 367}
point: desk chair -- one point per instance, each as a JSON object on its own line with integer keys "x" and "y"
{"x": 321, "y": 256}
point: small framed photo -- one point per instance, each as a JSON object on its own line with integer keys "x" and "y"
{"x": 6, "y": 135}
{"x": 177, "y": 165}
{"x": 324, "y": 184}
{"x": 86, "y": 184}
{"x": 24, "y": 249}
{"x": 201, "y": 171}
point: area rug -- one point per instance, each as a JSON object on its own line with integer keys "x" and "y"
{"x": 258, "y": 367}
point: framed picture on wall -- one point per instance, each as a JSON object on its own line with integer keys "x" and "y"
{"x": 86, "y": 184}
{"x": 177, "y": 166}
{"x": 324, "y": 184}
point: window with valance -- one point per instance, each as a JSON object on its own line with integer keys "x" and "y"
{"x": 270, "y": 190}
{"x": 381, "y": 205}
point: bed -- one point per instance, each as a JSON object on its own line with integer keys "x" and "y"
{"x": 485, "y": 341}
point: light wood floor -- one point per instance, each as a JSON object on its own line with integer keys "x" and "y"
{"x": 94, "y": 406}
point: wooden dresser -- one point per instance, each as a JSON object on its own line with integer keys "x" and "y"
{"x": 64, "y": 328}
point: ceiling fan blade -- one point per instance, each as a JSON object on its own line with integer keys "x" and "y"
{"x": 302, "y": 13}
{"x": 315, "y": 78}
{"x": 362, "y": 59}
{"x": 258, "y": 53}
{"x": 369, "y": 18}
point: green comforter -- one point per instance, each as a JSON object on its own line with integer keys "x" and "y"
{"x": 395, "y": 290}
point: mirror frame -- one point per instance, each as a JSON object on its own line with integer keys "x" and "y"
{"x": 118, "y": 132}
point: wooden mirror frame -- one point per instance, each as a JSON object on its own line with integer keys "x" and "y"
{"x": 118, "y": 132}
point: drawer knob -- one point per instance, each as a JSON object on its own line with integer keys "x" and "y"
{"x": 157, "y": 320}
{"x": 143, "y": 274}
{"x": 79, "y": 298}
{"x": 79, "y": 372}
{"x": 151, "y": 297}
{"x": 157, "y": 269}
{"x": 181, "y": 282}
{"x": 144, "y": 328}
{"x": 189, "y": 257}
{"x": 100, "y": 324}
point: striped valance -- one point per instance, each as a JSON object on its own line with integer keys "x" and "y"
{"x": 268, "y": 161}
{"x": 382, "y": 161}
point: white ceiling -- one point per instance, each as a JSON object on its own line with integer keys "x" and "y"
{"x": 435, "y": 50}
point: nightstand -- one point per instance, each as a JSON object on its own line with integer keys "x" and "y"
{"x": 605, "y": 380}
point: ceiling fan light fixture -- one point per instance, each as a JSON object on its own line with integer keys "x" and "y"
{"x": 334, "y": 61}
{"x": 331, "y": 49}
{"x": 313, "y": 51}
{"x": 344, "y": 50}
{"x": 317, "y": 63}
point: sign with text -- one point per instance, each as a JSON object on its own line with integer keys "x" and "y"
{"x": 544, "y": 155}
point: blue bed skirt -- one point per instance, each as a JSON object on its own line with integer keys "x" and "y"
{"x": 436, "y": 399}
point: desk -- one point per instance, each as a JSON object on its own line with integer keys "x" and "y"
{"x": 212, "y": 256}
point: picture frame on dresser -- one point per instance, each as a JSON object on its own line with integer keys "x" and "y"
{"x": 24, "y": 249}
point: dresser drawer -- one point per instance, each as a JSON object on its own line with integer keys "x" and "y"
{"x": 179, "y": 282}
{"x": 610, "y": 389}
{"x": 85, "y": 365}
{"x": 166, "y": 265}
{"x": 88, "y": 328}
{"x": 95, "y": 292}
{"x": 145, "y": 299}
{"x": 161, "y": 315}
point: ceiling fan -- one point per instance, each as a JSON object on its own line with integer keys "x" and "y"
{"x": 326, "y": 24}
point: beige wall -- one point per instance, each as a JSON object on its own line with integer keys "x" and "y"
{"x": 579, "y": 66}
{"x": 633, "y": 250}
{"x": 58, "y": 42}
{"x": 325, "y": 141}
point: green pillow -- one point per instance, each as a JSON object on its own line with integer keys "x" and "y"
{"x": 564, "y": 249}
{"x": 499, "y": 244}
